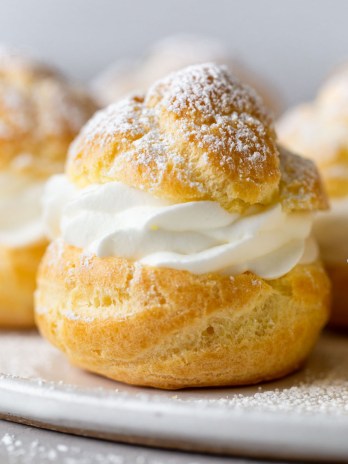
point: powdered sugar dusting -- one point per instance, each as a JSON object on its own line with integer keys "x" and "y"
{"x": 196, "y": 117}
{"x": 26, "y": 445}
{"x": 150, "y": 149}
{"x": 49, "y": 449}
{"x": 208, "y": 90}
{"x": 315, "y": 396}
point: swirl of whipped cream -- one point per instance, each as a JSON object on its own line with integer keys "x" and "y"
{"x": 116, "y": 220}
{"x": 20, "y": 209}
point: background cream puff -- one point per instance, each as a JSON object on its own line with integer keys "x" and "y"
{"x": 40, "y": 113}
{"x": 182, "y": 253}
{"x": 319, "y": 130}
{"x": 171, "y": 54}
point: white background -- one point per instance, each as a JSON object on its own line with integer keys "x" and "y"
{"x": 294, "y": 43}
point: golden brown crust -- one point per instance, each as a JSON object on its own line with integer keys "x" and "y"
{"x": 172, "y": 329}
{"x": 338, "y": 274}
{"x": 18, "y": 269}
{"x": 40, "y": 114}
{"x": 197, "y": 135}
{"x": 301, "y": 187}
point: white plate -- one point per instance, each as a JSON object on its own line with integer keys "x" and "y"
{"x": 304, "y": 416}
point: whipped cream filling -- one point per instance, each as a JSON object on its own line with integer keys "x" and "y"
{"x": 331, "y": 232}
{"x": 114, "y": 219}
{"x": 20, "y": 209}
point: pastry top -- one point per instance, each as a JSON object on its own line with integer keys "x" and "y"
{"x": 40, "y": 113}
{"x": 319, "y": 131}
{"x": 198, "y": 134}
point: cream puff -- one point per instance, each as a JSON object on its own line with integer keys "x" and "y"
{"x": 319, "y": 130}
{"x": 171, "y": 54}
{"x": 40, "y": 113}
{"x": 182, "y": 253}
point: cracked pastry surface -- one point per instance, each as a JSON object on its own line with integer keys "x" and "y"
{"x": 195, "y": 135}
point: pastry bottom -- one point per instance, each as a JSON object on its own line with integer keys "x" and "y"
{"x": 18, "y": 269}
{"x": 338, "y": 274}
{"x": 172, "y": 329}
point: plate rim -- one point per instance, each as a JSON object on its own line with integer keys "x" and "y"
{"x": 161, "y": 421}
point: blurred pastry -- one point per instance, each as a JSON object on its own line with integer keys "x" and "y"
{"x": 40, "y": 113}
{"x": 319, "y": 130}
{"x": 171, "y": 54}
{"x": 182, "y": 252}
